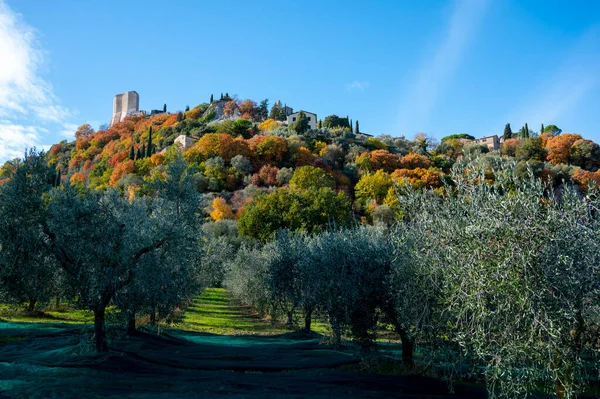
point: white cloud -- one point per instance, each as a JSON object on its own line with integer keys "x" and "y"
{"x": 438, "y": 68}
{"x": 27, "y": 102}
{"x": 16, "y": 138}
{"x": 357, "y": 85}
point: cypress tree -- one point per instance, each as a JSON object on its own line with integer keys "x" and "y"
{"x": 350, "y": 125}
{"x": 132, "y": 153}
{"x": 542, "y": 130}
{"x": 165, "y": 108}
{"x": 347, "y": 121}
{"x": 526, "y": 130}
{"x": 138, "y": 155}
{"x": 211, "y": 98}
{"x": 356, "y": 131}
{"x": 221, "y": 96}
{"x": 179, "y": 116}
{"x": 507, "y": 132}
{"x": 143, "y": 151}
{"x": 149, "y": 148}
{"x": 320, "y": 124}
{"x": 187, "y": 107}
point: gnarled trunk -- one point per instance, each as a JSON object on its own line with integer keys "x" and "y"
{"x": 408, "y": 347}
{"x": 336, "y": 328}
{"x": 31, "y": 305}
{"x": 101, "y": 344}
{"x": 307, "y": 318}
{"x": 131, "y": 325}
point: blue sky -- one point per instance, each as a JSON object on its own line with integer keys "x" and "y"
{"x": 399, "y": 67}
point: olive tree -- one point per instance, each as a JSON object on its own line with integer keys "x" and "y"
{"x": 102, "y": 240}
{"x": 517, "y": 269}
{"x": 28, "y": 272}
{"x": 350, "y": 267}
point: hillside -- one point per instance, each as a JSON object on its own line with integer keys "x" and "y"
{"x": 239, "y": 151}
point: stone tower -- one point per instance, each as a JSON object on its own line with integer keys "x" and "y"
{"x": 124, "y": 105}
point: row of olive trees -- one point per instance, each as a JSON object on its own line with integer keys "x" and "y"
{"x": 140, "y": 255}
{"x": 500, "y": 276}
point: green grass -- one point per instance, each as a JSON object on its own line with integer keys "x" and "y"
{"x": 62, "y": 314}
{"x": 216, "y": 312}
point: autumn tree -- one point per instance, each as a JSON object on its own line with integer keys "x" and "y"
{"x": 412, "y": 161}
{"x": 248, "y": 109}
{"x": 221, "y": 210}
{"x": 373, "y": 187}
{"x": 269, "y": 149}
{"x": 379, "y": 159}
{"x": 84, "y": 131}
{"x": 559, "y": 147}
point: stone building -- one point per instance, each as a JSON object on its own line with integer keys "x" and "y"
{"x": 185, "y": 141}
{"x": 312, "y": 119}
{"x": 125, "y": 105}
{"x": 492, "y": 142}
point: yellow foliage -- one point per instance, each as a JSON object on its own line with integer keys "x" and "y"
{"x": 157, "y": 159}
{"x": 269, "y": 125}
{"x": 320, "y": 148}
{"x": 221, "y": 210}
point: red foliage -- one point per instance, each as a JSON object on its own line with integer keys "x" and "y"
{"x": 116, "y": 159}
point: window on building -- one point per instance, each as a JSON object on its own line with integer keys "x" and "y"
{"x": 309, "y": 118}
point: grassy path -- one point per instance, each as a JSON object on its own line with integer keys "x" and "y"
{"x": 216, "y": 312}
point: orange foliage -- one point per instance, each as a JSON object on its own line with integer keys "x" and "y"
{"x": 193, "y": 113}
{"x": 87, "y": 165}
{"x": 121, "y": 170}
{"x": 584, "y": 177}
{"x": 380, "y": 159}
{"x": 559, "y": 147}
{"x": 509, "y": 147}
{"x": 221, "y": 144}
{"x": 170, "y": 121}
{"x": 55, "y": 149}
{"x": 118, "y": 158}
{"x": 413, "y": 161}
{"x": 270, "y": 149}
{"x": 247, "y": 109}
{"x": 419, "y": 177}
{"x": 78, "y": 178}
